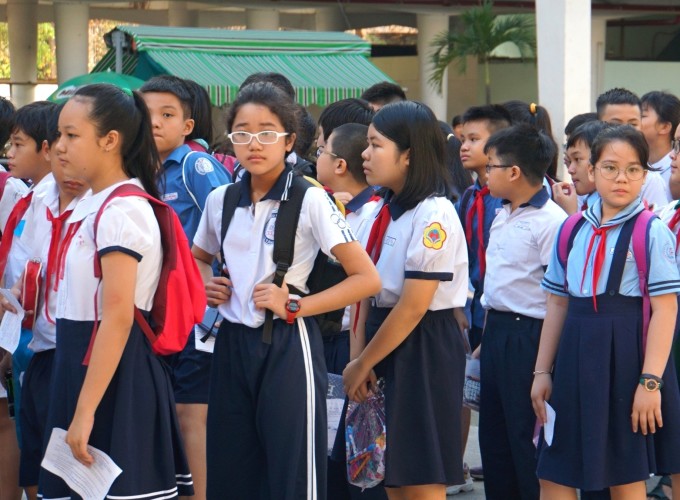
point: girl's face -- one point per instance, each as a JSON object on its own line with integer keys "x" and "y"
{"x": 261, "y": 159}
{"x": 612, "y": 176}
{"x": 675, "y": 166}
{"x": 384, "y": 165}
{"x": 79, "y": 149}
{"x": 578, "y": 166}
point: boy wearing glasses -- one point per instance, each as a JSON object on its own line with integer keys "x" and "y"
{"x": 520, "y": 245}
{"x": 187, "y": 178}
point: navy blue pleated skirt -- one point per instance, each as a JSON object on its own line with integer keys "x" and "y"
{"x": 596, "y": 374}
{"x": 135, "y": 423}
{"x": 423, "y": 399}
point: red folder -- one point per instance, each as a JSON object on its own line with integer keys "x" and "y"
{"x": 30, "y": 291}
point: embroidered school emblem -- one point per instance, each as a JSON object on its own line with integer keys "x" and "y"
{"x": 203, "y": 166}
{"x": 434, "y": 236}
{"x": 268, "y": 236}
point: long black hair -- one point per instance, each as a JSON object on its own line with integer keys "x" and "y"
{"x": 125, "y": 112}
{"x": 412, "y": 126}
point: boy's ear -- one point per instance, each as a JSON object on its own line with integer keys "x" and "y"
{"x": 515, "y": 172}
{"x": 591, "y": 172}
{"x": 45, "y": 150}
{"x": 188, "y": 126}
{"x": 341, "y": 167}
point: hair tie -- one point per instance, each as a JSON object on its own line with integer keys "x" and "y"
{"x": 533, "y": 108}
{"x": 448, "y": 137}
{"x": 126, "y": 91}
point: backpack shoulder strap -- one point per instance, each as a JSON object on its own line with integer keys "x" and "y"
{"x": 284, "y": 239}
{"x": 640, "y": 241}
{"x": 184, "y": 180}
{"x": 565, "y": 240}
{"x": 231, "y": 197}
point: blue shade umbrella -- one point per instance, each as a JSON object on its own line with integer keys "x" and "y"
{"x": 69, "y": 87}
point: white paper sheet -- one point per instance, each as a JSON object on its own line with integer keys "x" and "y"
{"x": 208, "y": 345}
{"x": 334, "y": 408}
{"x": 549, "y": 427}
{"x": 91, "y": 483}
{"x": 10, "y": 327}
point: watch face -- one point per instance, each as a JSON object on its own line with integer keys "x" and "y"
{"x": 293, "y": 306}
{"x": 651, "y": 385}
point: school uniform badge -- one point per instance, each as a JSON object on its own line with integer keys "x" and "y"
{"x": 269, "y": 229}
{"x": 203, "y": 166}
{"x": 434, "y": 236}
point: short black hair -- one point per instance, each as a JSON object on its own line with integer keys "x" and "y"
{"x": 170, "y": 84}
{"x": 621, "y": 133}
{"x": 461, "y": 179}
{"x": 586, "y": 133}
{"x": 383, "y": 93}
{"x": 345, "y": 111}
{"x": 456, "y": 120}
{"x": 53, "y": 124}
{"x": 616, "y": 96}
{"x": 495, "y": 115}
{"x": 578, "y": 120}
{"x": 533, "y": 114}
{"x": 32, "y": 119}
{"x": 7, "y": 111}
{"x": 277, "y": 79}
{"x": 532, "y": 150}
{"x": 349, "y": 141}
{"x": 666, "y": 106}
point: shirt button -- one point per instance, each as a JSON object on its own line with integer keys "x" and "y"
{"x": 612, "y": 292}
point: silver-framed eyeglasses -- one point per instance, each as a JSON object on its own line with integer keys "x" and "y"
{"x": 631, "y": 172}
{"x": 675, "y": 144}
{"x": 265, "y": 137}
{"x": 321, "y": 150}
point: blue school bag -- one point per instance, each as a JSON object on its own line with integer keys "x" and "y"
{"x": 640, "y": 240}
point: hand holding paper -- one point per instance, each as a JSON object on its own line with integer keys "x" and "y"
{"x": 10, "y": 327}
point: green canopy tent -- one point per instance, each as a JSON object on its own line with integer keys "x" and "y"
{"x": 323, "y": 66}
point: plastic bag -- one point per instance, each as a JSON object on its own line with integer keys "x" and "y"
{"x": 365, "y": 440}
{"x": 472, "y": 385}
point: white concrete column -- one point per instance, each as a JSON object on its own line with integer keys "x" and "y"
{"x": 598, "y": 35}
{"x": 564, "y": 48}
{"x": 71, "y": 36}
{"x": 179, "y": 14}
{"x": 429, "y": 26}
{"x": 330, "y": 19}
{"x": 262, "y": 19}
{"x": 22, "y": 23}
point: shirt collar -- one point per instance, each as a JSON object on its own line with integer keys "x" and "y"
{"x": 538, "y": 200}
{"x": 177, "y": 155}
{"x": 89, "y": 203}
{"x": 664, "y": 163}
{"x": 275, "y": 193}
{"x": 594, "y": 213}
{"x": 396, "y": 210}
{"x": 360, "y": 200}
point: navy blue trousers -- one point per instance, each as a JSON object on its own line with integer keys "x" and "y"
{"x": 506, "y": 416}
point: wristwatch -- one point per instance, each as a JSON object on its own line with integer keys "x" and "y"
{"x": 651, "y": 382}
{"x": 293, "y": 307}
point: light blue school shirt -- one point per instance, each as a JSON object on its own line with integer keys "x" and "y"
{"x": 203, "y": 173}
{"x": 663, "y": 272}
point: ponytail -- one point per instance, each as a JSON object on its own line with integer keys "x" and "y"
{"x": 125, "y": 112}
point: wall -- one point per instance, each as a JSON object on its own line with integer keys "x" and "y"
{"x": 641, "y": 77}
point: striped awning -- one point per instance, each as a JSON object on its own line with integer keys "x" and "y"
{"x": 323, "y": 67}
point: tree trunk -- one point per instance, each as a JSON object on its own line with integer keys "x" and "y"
{"x": 487, "y": 81}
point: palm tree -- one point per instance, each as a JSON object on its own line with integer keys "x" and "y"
{"x": 482, "y": 32}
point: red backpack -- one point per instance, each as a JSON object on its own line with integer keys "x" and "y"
{"x": 180, "y": 301}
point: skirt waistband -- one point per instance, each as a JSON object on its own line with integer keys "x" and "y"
{"x": 607, "y": 304}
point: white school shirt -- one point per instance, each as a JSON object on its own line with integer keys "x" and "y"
{"x": 44, "y": 331}
{"x": 360, "y": 221}
{"x": 249, "y": 242}
{"x": 14, "y": 189}
{"x": 666, "y": 214}
{"x": 654, "y": 190}
{"x": 426, "y": 242}
{"x": 520, "y": 247}
{"x": 664, "y": 170}
{"x": 663, "y": 270}
{"x": 127, "y": 225}
{"x": 30, "y": 233}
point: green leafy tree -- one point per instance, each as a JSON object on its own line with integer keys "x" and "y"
{"x": 480, "y": 34}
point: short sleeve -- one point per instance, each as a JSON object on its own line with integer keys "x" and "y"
{"x": 210, "y": 227}
{"x": 663, "y": 269}
{"x": 204, "y": 174}
{"x": 430, "y": 254}
{"x": 554, "y": 277}
{"x": 127, "y": 225}
{"x": 547, "y": 237}
{"x": 327, "y": 224}
{"x": 654, "y": 190}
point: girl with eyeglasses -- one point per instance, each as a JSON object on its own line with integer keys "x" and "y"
{"x": 267, "y": 427}
{"x": 613, "y": 388}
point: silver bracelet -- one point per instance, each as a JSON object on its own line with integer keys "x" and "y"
{"x": 542, "y": 372}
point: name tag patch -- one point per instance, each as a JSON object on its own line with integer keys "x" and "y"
{"x": 169, "y": 197}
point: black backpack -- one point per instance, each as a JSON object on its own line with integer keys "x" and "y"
{"x": 325, "y": 273}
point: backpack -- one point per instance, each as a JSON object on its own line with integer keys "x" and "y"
{"x": 640, "y": 240}
{"x": 184, "y": 178}
{"x": 325, "y": 273}
{"x": 179, "y": 302}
